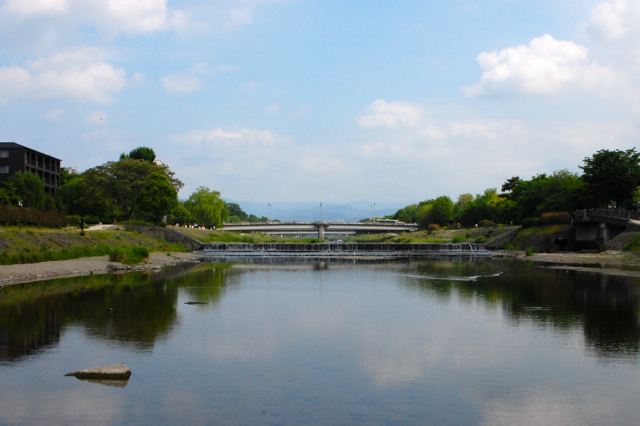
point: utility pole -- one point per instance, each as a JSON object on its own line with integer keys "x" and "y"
{"x": 320, "y": 212}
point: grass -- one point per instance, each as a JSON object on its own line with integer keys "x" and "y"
{"x": 542, "y": 230}
{"x": 633, "y": 245}
{"x": 19, "y": 245}
{"x": 128, "y": 255}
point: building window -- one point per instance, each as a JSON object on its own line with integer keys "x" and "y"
{"x": 4, "y": 169}
{"x": 4, "y": 153}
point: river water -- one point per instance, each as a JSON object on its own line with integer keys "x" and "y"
{"x": 431, "y": 342}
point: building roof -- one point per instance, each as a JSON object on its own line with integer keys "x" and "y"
{"x": 13, "y": 145}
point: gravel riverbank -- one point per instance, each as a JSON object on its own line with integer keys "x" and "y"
{"x": 16, "y": 274}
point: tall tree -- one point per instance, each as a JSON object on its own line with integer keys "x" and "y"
{"x": 612, "y": 175}
{"x": 158, "y": 198}
{"x": 141, "y": 153}
{"x": 29, "y": 189}
{"x": 207, "y": 207}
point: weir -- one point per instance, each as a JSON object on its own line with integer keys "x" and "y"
{"x": 345, "y": 249}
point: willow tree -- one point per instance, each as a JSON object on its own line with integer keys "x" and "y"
{"x": 207, "y": 207}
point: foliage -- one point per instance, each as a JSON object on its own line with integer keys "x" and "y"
{"x": 433, "y": 227}
{"x": 128, "y": 255}
{"x": 28, "y": 189}
{"x": 633, "y": 245}
{"x": 141, "y": 153}
{"x": 531, "y": 221}
{"x": 508, "y": 246}
{"x": 407, "y": 214}
{"x": 556, "y": 217}
{"x": 207, "y": 207}
{"x": 480, "y": 240}
{"x": 157, "y": 199}
{"x": 14, "y": 216}
{"x": 181, "y": 215}
{"x": 612, "y": 176}
{"x": 530, "y": 251}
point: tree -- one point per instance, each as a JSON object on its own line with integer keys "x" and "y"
{"x": 157, "y": 199}
{"x": 207, "y": 207}
{"x": 612, "y": 176}
{"x": 29, "y": 189}
{"x": 141, "y": 153}
{"x": 441, "y": 211}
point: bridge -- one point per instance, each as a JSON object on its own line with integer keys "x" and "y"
{"x": 595, "y": 227}
{"x": 321, "y": 228}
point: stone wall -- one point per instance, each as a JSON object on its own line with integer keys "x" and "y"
{"x": 502, "y": 239}
{"x": 170, "y": 235}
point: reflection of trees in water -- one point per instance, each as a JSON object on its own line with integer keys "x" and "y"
{"x": 605, "y": 307}
{"x": 135, "y": 310}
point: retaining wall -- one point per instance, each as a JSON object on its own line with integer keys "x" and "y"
{"x": 170, "y": 235}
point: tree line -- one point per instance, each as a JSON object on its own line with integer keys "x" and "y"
{"x": 608, "y": 179}
{"x": 134, "y": 188}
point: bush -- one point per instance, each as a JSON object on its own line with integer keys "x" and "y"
{"x": 530, "y": 250}
{"x": 480, "y": 240}
{"x": 13, "y": 216}
{"x": 91, "y": 220}
{"x": 486, "y": 223}
{"x": 555, "y": 217}
{"x": 458, "y": 239}
{"x": 633, "y": 245}
{"x": 433, "y": 227}
{"x": 128, "y": 255}
{"x": 531, "y": 221}
{"x": 508, "y": 246}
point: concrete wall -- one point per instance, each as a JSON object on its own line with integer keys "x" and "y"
{"x": 170, "y": 235}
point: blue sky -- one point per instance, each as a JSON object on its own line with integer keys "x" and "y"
{"x": 334, "y": 101}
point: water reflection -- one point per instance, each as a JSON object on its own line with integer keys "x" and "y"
{"x": 604, "y": 307}
{"x": 133, "y": 310}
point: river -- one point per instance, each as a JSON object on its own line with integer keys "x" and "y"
{"x": 430, "y": 342}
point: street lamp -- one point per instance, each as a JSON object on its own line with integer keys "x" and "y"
{"x": 269, "y": 204}
{"x": 320, "y": 212}
{"x": 374, "y": 212}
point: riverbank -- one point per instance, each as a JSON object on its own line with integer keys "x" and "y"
{"x": 607, "y": 263}
{"x": 23, "y": 273}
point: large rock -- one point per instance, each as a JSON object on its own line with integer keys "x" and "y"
{"x": 110, "y": 372}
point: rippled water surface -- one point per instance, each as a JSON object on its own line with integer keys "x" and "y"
{"x": 437, "y": 342}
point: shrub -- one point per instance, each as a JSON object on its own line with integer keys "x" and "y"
{"x": 128, "y": 255}
{"x": 530, "y": 250}
{"x": 531, "y": 221}
{"x": 13, "y": 216}
{"x": 91, "y": 220}
{"x": 633, "y": 245}
{"x": 555, "y": 217}
{"x": 433, "y": 227}
{"x": 508, "y": 246}
{"x": 73, "y": 219}
{"x": 480, "y": 240}
{"x": 486, "y": 223}
{"x": 458, "y": 239}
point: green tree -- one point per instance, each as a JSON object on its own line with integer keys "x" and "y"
{"x": 141, "y": 153}
{"x": 157, "y": 199}
{"x": 29, "y": 189}
{"x": 612, "y": 176}
{"x": 207, "y": 207}
{"x": 441, "y": 211}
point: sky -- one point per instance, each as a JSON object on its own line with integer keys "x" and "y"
{"x": 324, "y": 100}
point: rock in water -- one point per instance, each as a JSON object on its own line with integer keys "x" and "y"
{"x": 113, "y": 372}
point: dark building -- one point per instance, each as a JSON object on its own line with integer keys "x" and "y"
{"x": 15, "y": 158}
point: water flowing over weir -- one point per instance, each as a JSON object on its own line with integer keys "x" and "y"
{"x": 344, "y": 249}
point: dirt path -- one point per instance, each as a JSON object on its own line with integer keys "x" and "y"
{"x": 16, "y": 274}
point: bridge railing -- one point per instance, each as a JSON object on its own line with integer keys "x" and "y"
{"x": 610, "y": 213}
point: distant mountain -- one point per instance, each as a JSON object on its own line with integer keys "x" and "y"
{"x": 349, "y": 212}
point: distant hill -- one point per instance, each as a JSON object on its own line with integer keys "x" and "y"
{"x": 349, "y": 212}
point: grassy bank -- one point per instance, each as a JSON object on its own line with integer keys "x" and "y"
{"x": 469, "y": 235}
{"x": 33, "y": 245}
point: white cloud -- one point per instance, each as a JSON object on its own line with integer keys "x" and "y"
{"x": 98, "y": 117}
{"x": 54, "y": 115}
{"x": 181, "y": 83}
{"x": 80, "y": 74}
{"x": 35, "y": 7}
{"x": 389, "y": 114}
{"x": 239, "y": 17}
{"x": 109, "y": 16}
{"x": 545, "y": 66}
{"x": 611, "y": 20}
